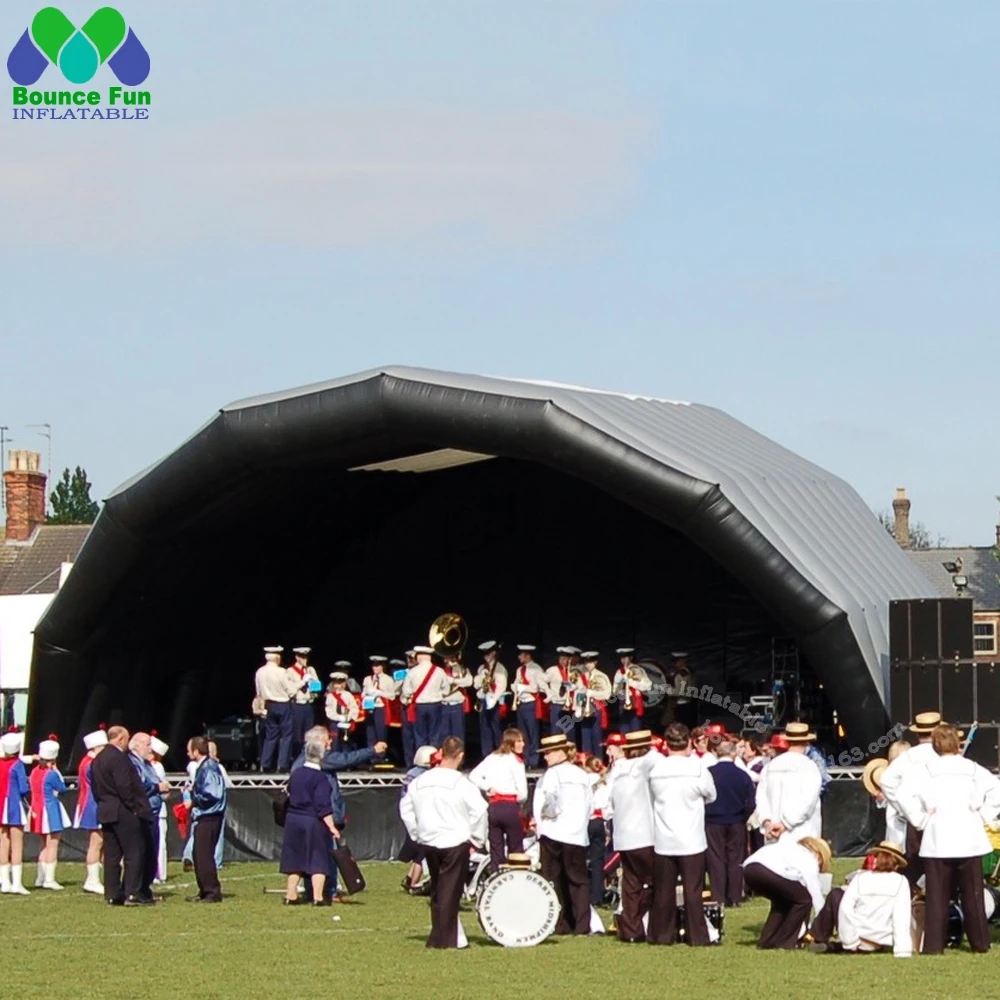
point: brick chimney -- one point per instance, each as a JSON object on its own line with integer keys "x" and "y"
{"x": 901, "y": 510}
{"x": 24, "y": 484}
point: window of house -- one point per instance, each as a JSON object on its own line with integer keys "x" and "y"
{"x": 985, "y": 637}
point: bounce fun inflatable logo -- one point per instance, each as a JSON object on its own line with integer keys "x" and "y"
{"x": 78, "y": 53}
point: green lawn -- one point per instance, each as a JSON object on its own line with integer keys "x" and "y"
{"x": 70, "y": 944}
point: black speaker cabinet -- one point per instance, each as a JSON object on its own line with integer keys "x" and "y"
{"x": 937, "y": 628}
{"x": 925, "y": 689}
{"x": 900, "y": 709}
{"x": 988, "y": 692}
{"x": 958, "y": 704}
{"x": 985, "y": 747}
{"x": 957, "y": 629}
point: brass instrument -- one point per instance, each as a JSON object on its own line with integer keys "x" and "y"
{"x": 628, "y": 690}
{"x": 570, "y": 685}
{"x": 447, "y": 637}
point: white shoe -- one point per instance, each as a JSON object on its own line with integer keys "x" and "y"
{"x": 40, "y": 877}
{"x": 95, "y": 887}
{"x": 53, "y": 885}
{"x": 19, "y": 890}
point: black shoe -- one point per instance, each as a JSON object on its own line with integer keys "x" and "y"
{"x": 115, "y": 902}
{"x": 323, "y": 902}
{"x": 204, "y": 899}
{"x": 289, "y": 902}
{"x": 135, "y": 901}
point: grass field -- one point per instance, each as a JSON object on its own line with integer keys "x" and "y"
{"x": 70, "y": 944}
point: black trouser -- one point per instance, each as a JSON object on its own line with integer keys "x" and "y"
{"x": 942, "y": 874}
{"x": 598, "y": 835}
{"x": 637, "y": 892}
{"x": 790, "y": 906}
{"x": 206, "y": 833}
{"x": 565, "y": 866}
{"x": 506, "y": 832}
{"x": 914, "y": 863}
{"x": 663, "y": 915}
{"x": 123, "y": 842}
{"x": 825, "y": 922}
{"x": 149, "y": 830}
{"x": 727, "y": 850}
{"x": 449, "y": 868}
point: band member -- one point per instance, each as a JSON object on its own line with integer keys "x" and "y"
{"x": 275, "y": 692}
{"x": 631, "y": 683}
{"x": 558, "y": 685}
{"x": 48, "y": 815}
{"x": 501, "y": 777}
{"x": 529, "y": 690}
{"x": 679, "y": 787}
{"x": 592, "y": 693}
{"x": 679, "y": 706}
{"x": 443, "y": 812}
{"x": 406, "y": 726}
{"x": 909, "y": 768}
{"x": 341, "y": 709}
{"x": 491, "y": 690}
{"x": 597, "y": 828}
{"x": 788, "y": 793}
{"x": 562, "y": 806}
{"x": 378, "y": 699}
{"x": 85, "y": 817}
{"x": 787, "y": 872}
{"x": 14, "y": 791}
{"x": 726, "y": 826}
{"x": 951, "y": 806}
{"x": 305, "y": 681}
{"x": 423, "y": 690}
{"x": 632, "y": 832}
{"x": 457, "y": 703}
{"x": 157, "y": 751}
{"x": 874, "y": 912}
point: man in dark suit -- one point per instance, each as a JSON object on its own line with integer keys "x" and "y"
{"x": 122, "y": 806}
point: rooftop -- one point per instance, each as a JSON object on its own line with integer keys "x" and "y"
{"x": 978, "y": 564}
{"x": 32, "y": 567}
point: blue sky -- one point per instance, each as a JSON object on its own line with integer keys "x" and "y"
{"x": 786, "y": 210}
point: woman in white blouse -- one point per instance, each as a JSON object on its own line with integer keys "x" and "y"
{"x": 788, "y": 873}
{"x": 501, "y": 778}
{"x": 951, "y": 803}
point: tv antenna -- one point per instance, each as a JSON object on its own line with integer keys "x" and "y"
{"x": 47, "y": 433}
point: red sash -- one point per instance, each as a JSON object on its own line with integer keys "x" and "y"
{"x": 466, "y": 701}
{"x": 411, "y": 709}
{"x": 299, "y": 670}
{"x": 502, "y": 798}
{"x": 362, "y": 713}
{"x": 539, "y": 707}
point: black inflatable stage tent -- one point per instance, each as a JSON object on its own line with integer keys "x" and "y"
{"x": 348, "y": 514}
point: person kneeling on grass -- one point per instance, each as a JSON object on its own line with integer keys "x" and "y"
{"x": 787, "y": 872}
{"x": 873, "y": 913}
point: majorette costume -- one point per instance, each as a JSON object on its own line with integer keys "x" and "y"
{"x": 48, "y": 814}
{"x": 14, "y": 788}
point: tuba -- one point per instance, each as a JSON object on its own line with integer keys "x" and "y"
{"x": 448, "y": 636}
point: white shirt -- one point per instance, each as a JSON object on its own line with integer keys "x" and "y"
{"x": 300, "y": 685}
{"x": 640, "y": 682}
{"x": 382, "y": 688}
{"x": 554, "y": 681}
{"x": 876, "y": 908}
{"x": 601, "y": 798}
{"x": 458, "y": 682}
{"x": 679, "y": 788}
{"x": 951, "y": 805}
{"x": 344, "y": 714}
{"x": 499, "y": 681}
{"x": 442, "y": 808}
{"x": 791, "y": 860}
{"x": 788, "y": 793}
{"x": 529, "y": 680}
{"x": 161, "y": 773}
{"x": 502, "y": 772}
{"x": 272, "y": 683}
{"x": 708, "y": 759}
{"x": 434, "y": 690}
{"x": 742, "y": 765}
{"x": 633, "y": 808}
{"x": 909, "y": 766}
{"x": 563, "y": 804}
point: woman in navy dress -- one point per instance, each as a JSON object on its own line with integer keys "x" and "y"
{"x": 309, "y": 828}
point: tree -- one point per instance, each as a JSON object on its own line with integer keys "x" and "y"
{"x": 71, "y": 503}
{"x": 920, "y": 534}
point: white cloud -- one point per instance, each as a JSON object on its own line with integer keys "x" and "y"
{"x": 325, "y": 176}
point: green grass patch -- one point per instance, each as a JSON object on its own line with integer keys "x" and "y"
{"x": 70, "y": 944}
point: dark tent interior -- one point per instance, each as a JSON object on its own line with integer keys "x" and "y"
{"x": 353, "y": 563}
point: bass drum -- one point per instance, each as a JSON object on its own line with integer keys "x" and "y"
{"x": 517, "y": 908}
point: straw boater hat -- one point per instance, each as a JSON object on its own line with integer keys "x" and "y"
{"x": 820, "y": 847}
{"x": 549, "y": 744}
{"x": 926, "y": 722}
{"x": 798, "y": 732}
{"x": 872, "y": 775}
{"x": 893, "y": 850}
{"x": 638, "y": 740}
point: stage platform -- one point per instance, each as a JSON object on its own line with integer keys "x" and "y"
{"x": 851, "y": 820}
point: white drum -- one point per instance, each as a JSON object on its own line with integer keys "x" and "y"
{"x": 517, "y": 908}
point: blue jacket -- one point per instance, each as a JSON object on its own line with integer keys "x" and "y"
{"x": 150, "y": 782}
{"x": 332, "y": 762}
{"x": 735, "y": 795}
{"x": 208, "y": 793}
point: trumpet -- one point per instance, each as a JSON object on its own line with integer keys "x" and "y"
{"x": 570, "y": 685}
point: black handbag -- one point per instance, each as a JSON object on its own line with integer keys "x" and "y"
{"x": 280, "y": 806}
{"x": 354, "y": 881}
